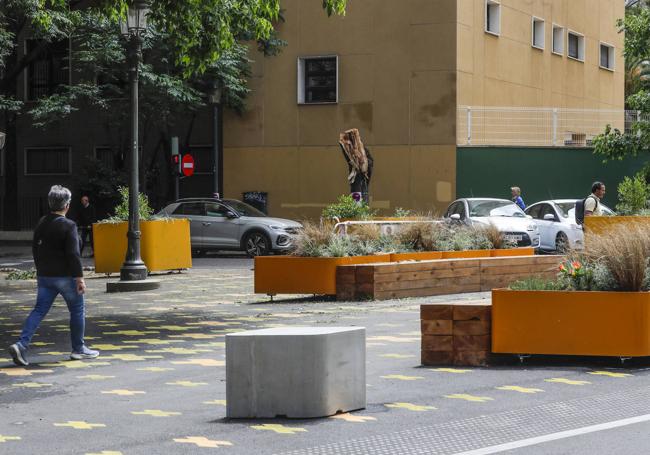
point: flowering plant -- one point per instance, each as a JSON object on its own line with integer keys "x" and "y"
{"x": 576, "y": 275}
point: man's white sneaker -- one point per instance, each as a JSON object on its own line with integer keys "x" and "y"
{"x": 85, "y": 353}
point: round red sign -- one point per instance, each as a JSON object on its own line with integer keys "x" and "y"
{"x": 187, "y": 165}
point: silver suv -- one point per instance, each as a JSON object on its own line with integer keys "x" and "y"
{"x": 227, "y": 224}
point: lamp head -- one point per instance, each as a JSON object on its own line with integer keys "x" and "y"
{"x": 135, "y": 22}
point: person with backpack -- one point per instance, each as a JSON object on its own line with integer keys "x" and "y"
{"x": 58, "y": 271}
{"x": 590, "y": 206}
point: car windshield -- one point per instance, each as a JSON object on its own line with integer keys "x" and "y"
{"x": 479, "y": 209}
{"x": 243, "y": 209}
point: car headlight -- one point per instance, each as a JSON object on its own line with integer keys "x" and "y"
{"x": 278, "y": 228}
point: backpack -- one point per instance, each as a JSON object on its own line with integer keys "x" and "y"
{"x": 580, "y": 209}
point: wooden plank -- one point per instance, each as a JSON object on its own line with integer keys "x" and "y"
{"x": 430, "y": 283}
{"x": 471, "y": 343}
{"x": 471, "y": 358}
{"x": 365, "y": 274}
{"x": 509, "y": 270}
{"x": 519, "y": 261}
{"x": 345, "y": 275}
{"x": 472, "y": 312}
{"x": 414, "y": 276}
{"x": 437, "y": 358}
{"x": 426, "y": 292}
{"x": 437, "y": 343}
{"x": 432, "y": 312}
{"x": 440, "y": 264}
{"x": 482, "y": 327}
{"x": 437, "y": 327}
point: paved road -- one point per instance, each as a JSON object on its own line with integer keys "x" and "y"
{"x": 159, "y": 386}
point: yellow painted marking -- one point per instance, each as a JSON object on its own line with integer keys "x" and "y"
{"x": 187, "y": 383}
{"x": 567, "y": 381}
{"x": 610, "y": 374}
{"x": 180, "y": 351}
{"x": 200, "y": 441}
{"x": 410, "y": 407}
{"x": 212, "y": 344}
{"x": 392, "y": 339}
{"x": 402, "y": 377}
{"x": 130, "y": 333}
{"x": 202, "y": 362}
{"x": 22, "y": 371}
{"x": 516, "y": 388}
{"x": 155, "y": 413}
{"x": 171, "y": 328}
{"x": 132, "y": 357}
{"x": 105, "y": 452}
{"x": 410, "y": 334}
{"x": 53, "y": 353}
{"x": 9, "y": 438}
{"x": 112, "y": 347}
{"x": 123, "y": 392}
{"x": 155, "y": 369}
{"x": 466, "y": 397}
{"x": 451, "y": 370}
{"x": 198, "y": 336}
{"x": 375, "y": 344}
{"x": 75, "y": 364}
{"x": 155, "y": 341}
{"x": 95, "y": 377}
{"x": 353, "y": 418}
{"x": 217, "y": 402}
{"x": 31, "y": 385}
{"x": 397, "y": 356}
{"x": 80, "y": 425}
{"x": 280, "y": 429}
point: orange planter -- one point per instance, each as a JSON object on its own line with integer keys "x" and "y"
{"x": 469, "y": 254}
{"x": 571, "y": 323}
{"x": 512, "y": 252}
{"x": 420, "y": 256}
{"x": 298, "y": 275}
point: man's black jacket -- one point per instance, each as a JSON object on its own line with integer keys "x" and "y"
{"x": 56, "y": 247}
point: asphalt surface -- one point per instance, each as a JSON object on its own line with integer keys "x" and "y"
{"x": 159, "y": 385}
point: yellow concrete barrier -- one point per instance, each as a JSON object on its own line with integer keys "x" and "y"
{"x": 164, "y": 244}
{"x": 601, "y": 224}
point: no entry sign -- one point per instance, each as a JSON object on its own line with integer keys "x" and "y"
{"x": 187, "y": 165}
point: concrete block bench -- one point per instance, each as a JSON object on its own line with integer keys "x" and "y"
{"x": 295, "y": 372}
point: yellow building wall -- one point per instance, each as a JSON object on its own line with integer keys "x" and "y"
{"x": 397, "y": 84}
{"x": 508, "y": 71}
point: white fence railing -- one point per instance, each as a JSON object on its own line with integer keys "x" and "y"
{"x": 537, "y": 126}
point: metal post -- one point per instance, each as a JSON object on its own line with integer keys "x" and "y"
{"x": 555, "y": 113}
{"x": 177, "y": 177}
{"x": 134, "y": 268}
{"x": 215, "y": 148}
{"x": 469, "y": 125}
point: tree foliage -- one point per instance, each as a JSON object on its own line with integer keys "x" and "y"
{"x": 613, "y": 143}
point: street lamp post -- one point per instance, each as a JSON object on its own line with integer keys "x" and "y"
{"x": 215, "y": 100}
{"x": 133, "y": 274}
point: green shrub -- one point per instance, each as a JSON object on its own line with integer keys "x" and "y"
{"x": 22, "y": 275}
{"x": 633, "y": 195}
{"x": 122, "y": 209}
{"x": 347, "y": 208}
{"x": 401, "y": 213}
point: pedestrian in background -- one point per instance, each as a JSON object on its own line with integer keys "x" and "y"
{"x": 58, "y": 271}
{"x": 85, "y": 222}
{"x": 516, "y": 197}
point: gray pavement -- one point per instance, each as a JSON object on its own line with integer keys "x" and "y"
{"x": 159, "y": 386}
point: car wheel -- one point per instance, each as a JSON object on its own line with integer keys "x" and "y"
{"x": 561, "y": 243}
{"x": 257, "y": 244}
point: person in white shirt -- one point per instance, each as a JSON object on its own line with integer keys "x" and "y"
{"x": 592, "y": 203}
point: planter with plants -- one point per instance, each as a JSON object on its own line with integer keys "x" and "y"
{"x": 311, "y": 268}
{"x": 164, "y": 242}
{"x": 599, "y": 304}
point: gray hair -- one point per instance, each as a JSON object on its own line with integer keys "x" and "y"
{"x": 59, "y": 198}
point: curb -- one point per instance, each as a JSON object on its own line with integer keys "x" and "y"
{"x": 9, "y": 285}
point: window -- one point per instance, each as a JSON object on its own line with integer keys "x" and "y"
{"x": 607, "y": 56}
{"x": 538, "y": 33}
{"x": 493, "y": 17}
{"x": 107, "y": 156}
{"x": 576, "y": 46}
{"x": 534, "y": 211}
{"x": 47, "y": 161}
{"x": 318, "y": 80}
{"x": 216, "y": 210}
{"x": 190, "y": 208}
{"x": 558, "y": 40}
{"x": 50, "y": 70}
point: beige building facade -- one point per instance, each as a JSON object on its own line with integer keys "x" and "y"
{"x": 404, "y": 70}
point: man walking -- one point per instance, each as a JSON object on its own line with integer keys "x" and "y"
{"x": 592, "y": 203}
{"x": 58, "y": 271}
{"x": 85, "y": 221}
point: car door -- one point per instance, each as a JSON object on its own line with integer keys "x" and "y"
{"x": 193, "y": 211}
{"x": 548, "y": 228}
{"x": 534, "y": 211}
{"x": 219, "y": 230}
